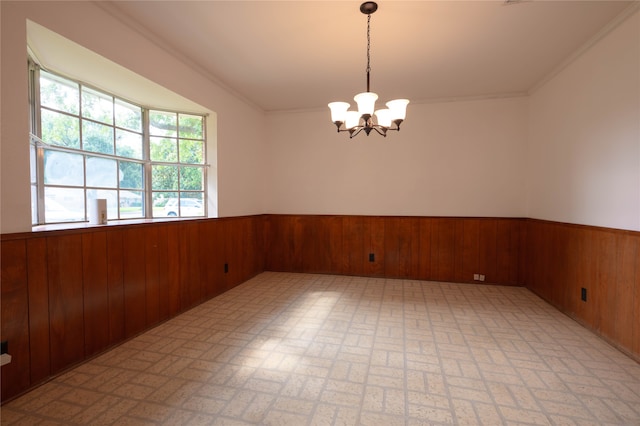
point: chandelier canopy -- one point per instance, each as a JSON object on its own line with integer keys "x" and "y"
{"x": 363, "y": 119}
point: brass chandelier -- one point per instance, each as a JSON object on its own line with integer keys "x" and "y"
{"x": 363, "y": 119}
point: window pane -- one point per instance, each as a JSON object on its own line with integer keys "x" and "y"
{"x": 34, "y": 185}
{"x": 102, "y": 172}
{"x": 192, "y": 203}
{"x": 160, "y": 201}
{"x": 34, "y": 205}
{"x": 62, "y": 168}
{"x": 97, "y": 105}
{"x": 128, "y": 116}
{"x": 32, "y": 163}
{"x": 191, "y": 126}
{"x": 112, "y": 200}
{"x": 131, "y": 175}
{"x": 131, "y": 205}
{"x": 191, "y": 152}
{"x": 128, "y": 144}
{"x": 164, "y": 177}
{"x": 191, "y": 178}
{"x": 164, "y": 149}
{"x": 60, "y": 129}
{"x": 184, "y": 205}
{"x": 97, "y": 137}
{"x": 163, "y": 123}
{"x": 64, "y": 205}
{"x": 59, "y": 93}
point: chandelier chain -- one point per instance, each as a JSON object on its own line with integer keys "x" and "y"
{"x": 368, "y": 49}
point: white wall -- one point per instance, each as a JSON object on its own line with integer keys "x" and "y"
{"x": 449, "y": 159}
{"x": 240, "y": 143}
{"x": 584, "y": 142}
{"x": 570, "y": 152}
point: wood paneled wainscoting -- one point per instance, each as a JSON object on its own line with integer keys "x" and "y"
{"x": 425, "y": 248}
{"x": 69, "y": 295}
{"x": 561, "y": 259}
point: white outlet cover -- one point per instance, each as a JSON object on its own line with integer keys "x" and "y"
{"x": 5, "y": 359}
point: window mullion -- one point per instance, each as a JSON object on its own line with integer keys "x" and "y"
{"x": 37, "y": 130}
{"x": 146, "y": 147}
{"x": 205, "y": 169}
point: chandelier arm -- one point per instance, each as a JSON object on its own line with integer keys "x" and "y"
{"x": 381, "y": 130}
{"x": 354, "y": 132}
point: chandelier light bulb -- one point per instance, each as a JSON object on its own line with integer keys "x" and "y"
{"x": 366, "y": 102}
{"x": 384, "y": 117}
{"x": 398, "y": 108}
{"x": 338, "y": 111}
{"x": 352, "y": 120}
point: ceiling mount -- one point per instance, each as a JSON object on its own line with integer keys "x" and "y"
{"x": 368, "y": 7}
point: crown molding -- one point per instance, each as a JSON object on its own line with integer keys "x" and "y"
{"x": 111, "y": 8}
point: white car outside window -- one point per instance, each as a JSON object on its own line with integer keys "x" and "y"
{"x": 188, "y": 207}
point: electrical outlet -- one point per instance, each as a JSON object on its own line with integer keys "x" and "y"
{"x": 583, "y": 294}
{"x": 481, "y": 277}
{"x": 372, "y": 257}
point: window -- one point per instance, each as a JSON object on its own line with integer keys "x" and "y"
{"x": 177, "y": 152}
{"x": 89, "y": 144}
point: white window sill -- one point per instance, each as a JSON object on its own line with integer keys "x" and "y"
{"x": 111, "y": 223}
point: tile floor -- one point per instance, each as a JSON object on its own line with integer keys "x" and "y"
{"x": 297, "y": 349}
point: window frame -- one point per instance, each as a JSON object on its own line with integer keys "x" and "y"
{"x": 39, "y": 146}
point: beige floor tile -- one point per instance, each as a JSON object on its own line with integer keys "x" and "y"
{"x": 300, "y": 349}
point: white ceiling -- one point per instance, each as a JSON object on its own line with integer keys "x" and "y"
{"x": 288, "y": 55}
